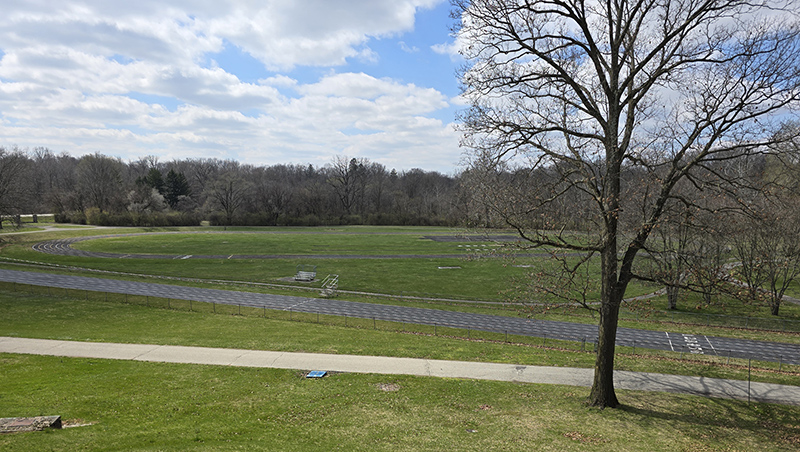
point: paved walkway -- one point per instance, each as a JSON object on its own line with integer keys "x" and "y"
{"x": 711, "y": 387}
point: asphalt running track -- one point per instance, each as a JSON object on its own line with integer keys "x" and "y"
{"x": 658, "y": 340}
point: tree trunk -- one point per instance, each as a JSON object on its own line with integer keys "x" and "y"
{"x": 775, "y": 305}
{"x": 672, "y": 297}
{"x": 603, "y": 394}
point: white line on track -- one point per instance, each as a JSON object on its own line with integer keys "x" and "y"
{"x": 710, "y": 345}
{"x": 670, "y": 342}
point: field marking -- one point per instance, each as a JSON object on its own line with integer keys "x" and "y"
{"x": 670, "y": 342}
{"x": 710, "y": 345}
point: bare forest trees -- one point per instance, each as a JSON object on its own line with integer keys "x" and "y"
{"x": 99, "y": 180}
{"x": 13, "y": 177}
{"x": 667, "y": 90}
{"x": 766, "y": 244}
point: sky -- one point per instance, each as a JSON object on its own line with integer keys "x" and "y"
{"x": 262, "y": 82}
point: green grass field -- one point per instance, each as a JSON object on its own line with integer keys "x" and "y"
{"x": 147, "y": 406}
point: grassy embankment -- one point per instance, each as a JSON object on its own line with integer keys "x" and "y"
{"x": 149, "y": 406}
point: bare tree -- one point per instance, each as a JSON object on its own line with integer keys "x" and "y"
{"x": 13, "y": 178}
{"x": 767, "y": 246}
{"x": 228, "y": 194}
{"x": 99, "y": 181}
{"x": 349, "y": 180}
{"x": 590, "y": 90}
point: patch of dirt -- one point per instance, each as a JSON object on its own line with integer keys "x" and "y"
{"x": 586, "y": 439}
{"x": 388, "y": 387}
{"x": 69, "y": 423}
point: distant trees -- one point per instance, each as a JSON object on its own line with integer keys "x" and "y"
{"x": 14, "y": 192}
{"x": 105, "y": 190}
{"x": 99, "y": 181}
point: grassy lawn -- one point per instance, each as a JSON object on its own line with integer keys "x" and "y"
{"x": 472, "y": 278}
{"x": 277, "y": 242}
{"x": 114, "y": 320}
{"x": 170, "y": 407}
{"x": 151, "y": 406}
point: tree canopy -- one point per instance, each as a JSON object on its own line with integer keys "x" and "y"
{"x": 624, "y": 108}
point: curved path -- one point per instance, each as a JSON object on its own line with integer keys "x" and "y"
{"x": 658, "y": 340}
{"x": 641, "y": 381}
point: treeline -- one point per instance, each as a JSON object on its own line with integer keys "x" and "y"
{"x": 102, "y": 190}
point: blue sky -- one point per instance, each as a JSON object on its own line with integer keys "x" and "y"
{"x": 265, "y": 82}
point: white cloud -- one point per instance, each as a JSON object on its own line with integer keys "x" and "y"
{"x": 137, "y": 78}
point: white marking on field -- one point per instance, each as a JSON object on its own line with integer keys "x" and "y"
{"x": 693, "y": 344}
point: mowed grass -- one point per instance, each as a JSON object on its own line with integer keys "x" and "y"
{"x": 171, "y": 407}
{"x": 152, "y": 322}
{"x": 277, "y": 243}
{"x": 469, "y": 274}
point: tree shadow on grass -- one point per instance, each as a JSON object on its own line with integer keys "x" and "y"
{"x": 705, "y": 419}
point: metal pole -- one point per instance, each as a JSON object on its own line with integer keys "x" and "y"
{"x": 748, "y": 380}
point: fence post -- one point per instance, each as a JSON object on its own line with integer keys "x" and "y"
{"x": 506, "y": 335}
{"x": 215, "y": 306}
{"x": 434, "y": 328}
{"x": 583, "y": 344}
{"x": 240, "y": 309}
{"x": 169, "y": 303}
{"x": 780, "y": 362}
{"x": 373, "y": 323}
{"x": 748, "y": 380}
{"x": 634, "y": 346}
{"x": 147, "y": 298}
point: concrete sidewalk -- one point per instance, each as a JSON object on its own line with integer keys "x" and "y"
{"x": 711, "y": 387}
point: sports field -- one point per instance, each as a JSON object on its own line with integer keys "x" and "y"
{"x": 138, "y": 406}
